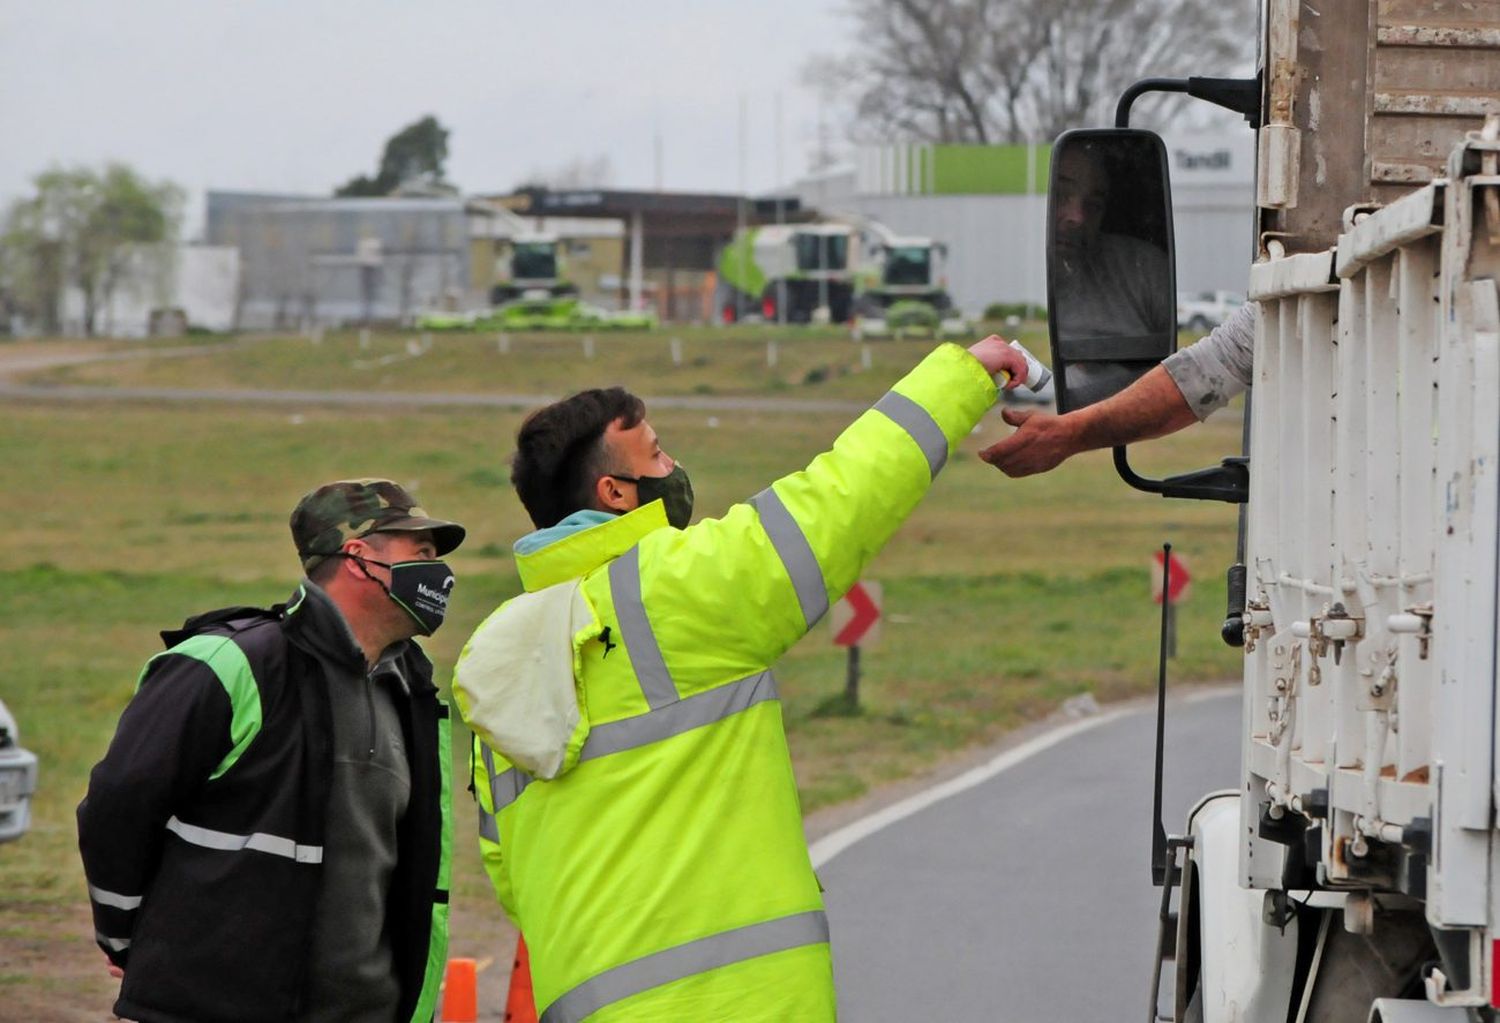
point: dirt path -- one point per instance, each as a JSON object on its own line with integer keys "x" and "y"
{"x": 16, "y": 361}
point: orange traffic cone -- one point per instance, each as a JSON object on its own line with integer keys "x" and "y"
{"x": 460, "y": 997}
{"x": 520, "y": 1004}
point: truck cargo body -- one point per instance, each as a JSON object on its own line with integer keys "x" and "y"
{"x": 1370, "y": 676}
{"x": 1354, "y": 875}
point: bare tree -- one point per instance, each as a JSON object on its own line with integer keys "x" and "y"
{"x": 580, "y": 172}
{"x": 1022, "y": 70}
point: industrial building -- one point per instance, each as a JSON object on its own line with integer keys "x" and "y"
{"x": 989, "y": 204}
{"x": 306, "y": 260}
{"x": 311, "y": 261}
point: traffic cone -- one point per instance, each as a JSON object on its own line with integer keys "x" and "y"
{"x": 520, "y": 1004}
{"x": 460, "y": 997}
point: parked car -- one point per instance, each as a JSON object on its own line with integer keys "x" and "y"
{"x": 17, "y": 780}
{"x": 1205, "y": 310}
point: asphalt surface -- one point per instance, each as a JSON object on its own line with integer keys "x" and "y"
{"x": 1026, "y": 898}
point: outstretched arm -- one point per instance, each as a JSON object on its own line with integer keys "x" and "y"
{"x": 1150, "y": 407}
{"x": 749, "y": 585}
{"x": 1184, "y": 389}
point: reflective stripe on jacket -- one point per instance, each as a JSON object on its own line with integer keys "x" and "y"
{"x": 663, "y": 872}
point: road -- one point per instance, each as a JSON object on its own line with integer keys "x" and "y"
{"x": 1025, "y": 898}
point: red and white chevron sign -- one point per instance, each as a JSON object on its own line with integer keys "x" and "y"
{"x": 856, "y": 618}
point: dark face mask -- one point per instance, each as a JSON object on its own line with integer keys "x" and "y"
{"x": 420, "y": 588}
{"x": 674, "y": 490}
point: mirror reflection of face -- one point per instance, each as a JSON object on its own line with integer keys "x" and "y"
{"x": 1080, "y": 202}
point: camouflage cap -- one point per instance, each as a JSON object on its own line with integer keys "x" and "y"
{"x": 335, "y": 513}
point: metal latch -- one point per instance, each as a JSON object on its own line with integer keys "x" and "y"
{"x": 1414, "y": 621}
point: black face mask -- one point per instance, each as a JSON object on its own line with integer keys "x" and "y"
{"x": 420, "y": 588}
{"x": 674, "y": 490}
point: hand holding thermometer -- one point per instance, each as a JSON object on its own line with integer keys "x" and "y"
{"x": 1037, "y": 375}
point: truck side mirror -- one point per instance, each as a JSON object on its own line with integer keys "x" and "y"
{"x": 1111, "y": 277}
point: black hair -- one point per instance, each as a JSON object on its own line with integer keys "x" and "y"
{"x": 560, "y": 451}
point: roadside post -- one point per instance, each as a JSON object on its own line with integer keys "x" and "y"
{"x": 1173, "y": 589}
{"x": 856, "y": 623}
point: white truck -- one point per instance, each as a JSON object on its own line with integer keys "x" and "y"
{"x": 1201, "y": 311}
{"x": 1354, "y": 873}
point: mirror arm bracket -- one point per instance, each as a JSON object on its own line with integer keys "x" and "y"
{"x": 1242, "y": 95}
{"x": 1229, "y": 481}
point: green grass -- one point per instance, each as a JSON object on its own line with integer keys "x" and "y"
{"x": 1003, "y": 597}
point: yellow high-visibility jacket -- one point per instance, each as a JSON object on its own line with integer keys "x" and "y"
{"x": 651, "y": 847}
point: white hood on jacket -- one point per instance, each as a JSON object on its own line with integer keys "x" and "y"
{"x": 516, "y": 679}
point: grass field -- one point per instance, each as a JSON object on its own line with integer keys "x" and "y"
{"x": 1003, "y": 597}
{"x": 806, "y": 363}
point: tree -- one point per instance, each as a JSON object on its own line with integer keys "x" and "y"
{"x": 412, "y": 161}
{"x": 1022, "y": 70}
{"x": 90, "y": 229}
{"x": 579, "y": 172}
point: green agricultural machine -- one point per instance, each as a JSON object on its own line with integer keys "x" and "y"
{"x": 855, "y": 268}
{"x": 533, "y": 293}
{"x": 533, "y": 267}
{"x": 541, "y": 313}
{"x": 900, "y": 287}
{"x": 787, "y": 273}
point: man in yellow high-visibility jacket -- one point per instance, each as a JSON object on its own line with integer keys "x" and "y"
{"x": 638, "y": 814}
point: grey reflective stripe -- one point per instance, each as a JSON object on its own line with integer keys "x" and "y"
{"x": 683, "y": 716}
{"x": 795, "y": 553}
{"x": 635, "y": 629}
{"x": 687, "y": 960}
{"x": 918, "y": 422}
{"x": 489, "y": 827}
{"x": 113, "y": 944}
{"x": 257, "y": 842}
{"x": 505, "y": 787}
{"x": 115, "y": 899}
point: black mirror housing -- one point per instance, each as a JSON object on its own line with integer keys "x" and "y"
{"x": 1111, "y": 273}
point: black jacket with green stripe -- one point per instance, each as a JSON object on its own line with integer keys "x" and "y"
{"x": 203, "y": 828}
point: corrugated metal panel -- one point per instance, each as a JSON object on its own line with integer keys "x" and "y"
{"x": 298, "y": 258}
{"x": 1376, "y": 433}
{"x": 1435, "y": 74}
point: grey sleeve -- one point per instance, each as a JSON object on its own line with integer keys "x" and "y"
{"x": 1214, "y": 369}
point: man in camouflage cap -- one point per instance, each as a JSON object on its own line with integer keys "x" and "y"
{"x": 265, "y": 837}
{"x": 335, "y": 513}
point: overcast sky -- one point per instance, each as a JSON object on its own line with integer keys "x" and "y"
{"x": 300, "y": 95}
